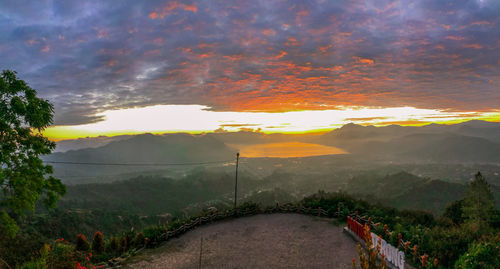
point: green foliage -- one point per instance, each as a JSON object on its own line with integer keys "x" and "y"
{"x": 446, "y": 243}
{"x": 62, "y": 255}
{"x": 7, "y": 224}
{"x": 23, "y": 179}
{"x": 41, "y": 262}
{"x": 481, "y": 255}
{"x": 454, "y": 211}
{"x": 153, "y": 234}
{"x": 139, "y": 240}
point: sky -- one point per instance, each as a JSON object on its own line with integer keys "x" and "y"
{"x": 115, "y": 67}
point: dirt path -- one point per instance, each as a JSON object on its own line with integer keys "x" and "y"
{"x": 261, "y": 241}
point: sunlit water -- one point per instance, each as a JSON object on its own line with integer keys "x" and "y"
{"x": 286, "y": 150}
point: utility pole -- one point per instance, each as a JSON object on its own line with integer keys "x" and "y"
{"x": 236, "y": 181}
{"x": 201, "y": 250}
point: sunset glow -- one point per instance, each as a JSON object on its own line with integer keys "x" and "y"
{"x": 197, "y": 119}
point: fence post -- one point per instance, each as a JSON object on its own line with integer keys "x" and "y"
{"x": 278, "y": 207}
{"x": 319, "y": 211}
{"x": 184, "y": 227}
{"x": 199, "y": 220}
{"x": 166, "y": 233}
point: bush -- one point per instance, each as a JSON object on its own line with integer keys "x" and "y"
{"x": 113, "y": 245}
{"x": 61, "y": 256}
{"x": 81, "y": 243}
{"x": 139, "y": 240}
{"x": 41, "y": 262}
{"x": 98, "y": 243}
{"x": 480, "y": 255}
{"x": 123, "y": 244}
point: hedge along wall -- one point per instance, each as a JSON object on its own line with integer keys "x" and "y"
{"x": 160, "y": 234}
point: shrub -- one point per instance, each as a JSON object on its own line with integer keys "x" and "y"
{"x": 98, "y": 243}
{"x": 123, "y": 244}
{"x": 139, "y": 240}
{"x": 114, "y": 245}
{"x": 41, "y": 262}
{"x": 480, "y": 255}
{"x": 61, "y": 256}
{"x": 81, "y": 243}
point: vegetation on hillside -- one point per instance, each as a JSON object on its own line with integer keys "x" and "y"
{"x": 456, "y": 238}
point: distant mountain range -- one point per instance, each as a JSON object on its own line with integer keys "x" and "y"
{"x": 139, "y": 149}
{"x": 469, "y": 142}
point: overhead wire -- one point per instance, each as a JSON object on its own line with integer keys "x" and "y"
{"x": 136, "y": 164}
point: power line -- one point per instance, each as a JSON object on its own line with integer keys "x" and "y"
{"x": 136, "y": 164}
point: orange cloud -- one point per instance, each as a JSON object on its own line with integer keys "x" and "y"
{"x": 281, "y": 55}
{"x": 168, "y": 9}
{"x": 269, "y": 32}
{"x": 191, "y": 8}
{"x": 481, "y": 23}
{"x": 456, "y": 38}
{"x": 153, "y": 15}
{"x": 233, "y": 57}
{"x": 291, "y": 42}
{"x": 473, "y": 46}
{"x": 324, "y": 49}
{"x": 364, "y": 60}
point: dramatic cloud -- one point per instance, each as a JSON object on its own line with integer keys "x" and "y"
{"x": 88, "y": 57}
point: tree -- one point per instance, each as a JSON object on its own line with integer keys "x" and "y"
{"x": 454, "y": 211}
{"x": 24, "y": 179}
{"x": 479, "y": 204}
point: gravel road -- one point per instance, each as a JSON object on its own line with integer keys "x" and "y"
{"x": 261, "y": 241}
